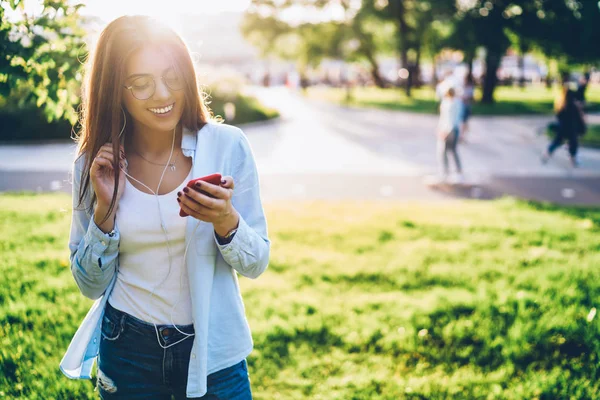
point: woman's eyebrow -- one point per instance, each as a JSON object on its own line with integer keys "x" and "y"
{"x": 137, "y": 75}
{"x": 146, "y": 74}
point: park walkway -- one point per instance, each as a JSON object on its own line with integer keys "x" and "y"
{"x": 320, "y": 150}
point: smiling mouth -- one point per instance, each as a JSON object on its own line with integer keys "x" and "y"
{"x": 162, "y": 110}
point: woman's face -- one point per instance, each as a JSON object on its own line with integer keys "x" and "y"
{"x": 155, "y": 98}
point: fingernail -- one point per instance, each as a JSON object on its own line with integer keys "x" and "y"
{"x": 178, "y": 200}
{"x": 223, "y": 181}
{"x": 185, "y": 190}
{"x": 197, "y": 184}
{"x": 178, "y": 194}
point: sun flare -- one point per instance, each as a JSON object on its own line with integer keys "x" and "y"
{"x": 168, "y": 12}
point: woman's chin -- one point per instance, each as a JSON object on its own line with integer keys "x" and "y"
{"x": 163, "y": 123}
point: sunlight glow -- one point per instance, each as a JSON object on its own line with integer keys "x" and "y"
{"x": 169, "y": 12}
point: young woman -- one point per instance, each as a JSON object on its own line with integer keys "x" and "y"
{"x": 571, "y": 124}
{"x": 169, "y": 319}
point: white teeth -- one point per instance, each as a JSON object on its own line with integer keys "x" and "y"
{"x": 163, "y": 110}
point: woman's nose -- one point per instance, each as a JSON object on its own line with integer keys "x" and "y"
{"x": 162, "y": 90}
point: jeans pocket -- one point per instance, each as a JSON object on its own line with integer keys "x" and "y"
{"x": 110, "y": 329}
{"x": 231, "y": 383}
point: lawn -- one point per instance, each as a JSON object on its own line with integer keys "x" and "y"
{"x": 459, "y": 300}
{"x": 592, "y": 137}
{"x": 509, "y": 100}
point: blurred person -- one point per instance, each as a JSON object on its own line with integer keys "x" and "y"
{"x": 467, "y": 99}
{"x": 570, "y": 125}
{"x": 266, "y": 80}
{"x": 443, "y": 86}
{"x": 447, "y": 133}
{"x": 582, "y": 88}
{"x": 167, "y": 322}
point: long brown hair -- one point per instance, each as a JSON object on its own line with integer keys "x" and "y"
{"x": 563, "y": 100}
{"x": 101, "y": 115}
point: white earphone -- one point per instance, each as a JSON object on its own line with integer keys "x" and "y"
{"x": 164, "y": 229}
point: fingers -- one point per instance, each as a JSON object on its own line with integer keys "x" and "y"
{"x": 192, "y": 207}
{"x": 103, "y": 162}
{"x": 105, "y": 157}
{"x": 200, "y": 198}
{"x": 107, "y": 149}
{"x": 193, "y": 213}
{"x": 218, "y": 192}
{"x": 227, "y": 182}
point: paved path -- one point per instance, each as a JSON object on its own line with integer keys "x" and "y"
{"x": 320, "y": 150}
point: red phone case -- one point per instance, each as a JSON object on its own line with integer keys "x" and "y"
{"x": 215, "y": 179}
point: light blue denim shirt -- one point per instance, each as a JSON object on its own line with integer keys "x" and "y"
{"x": 215, "y": 293}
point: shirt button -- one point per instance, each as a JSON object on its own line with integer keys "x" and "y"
{"x": 193, "y": 355}
{"x": 103, "y": 243}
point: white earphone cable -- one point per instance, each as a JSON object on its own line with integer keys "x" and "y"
{"x": 164, "y": 229}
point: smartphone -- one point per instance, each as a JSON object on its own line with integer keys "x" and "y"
{"x": 215, "y": 179}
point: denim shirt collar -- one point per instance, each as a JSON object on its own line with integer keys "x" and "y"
{"x": 188, "y": 142}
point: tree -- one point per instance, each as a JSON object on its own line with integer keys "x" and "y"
{"x": 355, "y": 36}
{"x": 40, "y": 55}
{"x": 570, "y": 29}
{"x": 486, "y": 21}
{"x": 562, "y": 29}
{"x": 414, "y": 21}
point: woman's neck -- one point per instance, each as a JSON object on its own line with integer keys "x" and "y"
{"x": 152, "y": 143}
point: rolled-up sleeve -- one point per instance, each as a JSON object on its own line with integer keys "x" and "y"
{"x": 249, "y": 250}
{"x": 94, "y": 254}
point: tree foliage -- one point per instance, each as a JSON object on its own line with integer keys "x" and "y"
{"x": 560, "y": 29}
{"x": 354, "y": 34}
{"x": 40, "y": 51}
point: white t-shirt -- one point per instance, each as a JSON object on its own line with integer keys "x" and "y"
{"x": 449, "y": 114}
{"x": 144, "y": 258}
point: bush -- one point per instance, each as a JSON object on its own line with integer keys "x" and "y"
{"x": 30, "y": 124}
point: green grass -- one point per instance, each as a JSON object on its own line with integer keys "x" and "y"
{"x": 459, "y": 300}
{"x": 591, "y": 137}
{"x": 509, "y": 100}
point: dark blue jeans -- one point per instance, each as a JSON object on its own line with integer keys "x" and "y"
{"x": 131, "y": 364}
{"x": 449, "y": 146}
{"x": 561, "y": 136}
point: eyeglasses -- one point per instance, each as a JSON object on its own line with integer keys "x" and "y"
{"x": 143, "y": 87}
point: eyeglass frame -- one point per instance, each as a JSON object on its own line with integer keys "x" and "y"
{"x": 162, "y": 77}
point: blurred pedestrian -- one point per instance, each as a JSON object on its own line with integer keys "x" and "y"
{"x": 448, "y": 130}
{"x": 443, "y": 86}
{"x": 570, "y": 124}
{"x": 468, "y": 96}
{"x": 582, "y": 87}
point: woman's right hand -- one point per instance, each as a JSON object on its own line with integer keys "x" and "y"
{"x": 102, "y": 175}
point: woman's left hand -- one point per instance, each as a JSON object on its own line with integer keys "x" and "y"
{"x": 216, "y": 210}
